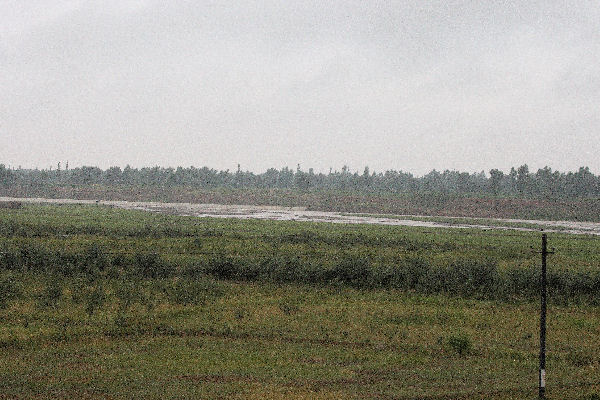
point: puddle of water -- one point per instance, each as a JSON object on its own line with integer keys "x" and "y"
{"x": 301, "y": 214}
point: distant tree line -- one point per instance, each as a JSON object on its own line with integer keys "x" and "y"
{"x": 519, "y": 182}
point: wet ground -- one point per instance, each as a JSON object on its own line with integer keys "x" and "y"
{"x": 300, "y": 214}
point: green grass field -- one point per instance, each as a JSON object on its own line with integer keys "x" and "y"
{"x": 105, "y": 303}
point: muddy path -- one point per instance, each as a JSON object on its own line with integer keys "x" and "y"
{"x": 301, "y": 214}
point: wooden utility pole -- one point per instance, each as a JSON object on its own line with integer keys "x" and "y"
{"x": 543, "y": 289}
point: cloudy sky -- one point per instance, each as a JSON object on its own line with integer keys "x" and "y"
{"x": 411, "y": 85}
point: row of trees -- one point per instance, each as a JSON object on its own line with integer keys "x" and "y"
{"x": 519, "y": 182}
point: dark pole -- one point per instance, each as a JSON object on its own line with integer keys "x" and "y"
{"x": 542, "y": 386}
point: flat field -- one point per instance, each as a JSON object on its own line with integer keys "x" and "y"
{"x": 439, "y": 204}
{"x": 105, "y": 303}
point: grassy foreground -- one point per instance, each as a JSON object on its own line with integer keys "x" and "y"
{"x": 104, "y": 303}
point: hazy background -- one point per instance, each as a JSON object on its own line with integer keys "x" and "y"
{"x": 389, "y": 84}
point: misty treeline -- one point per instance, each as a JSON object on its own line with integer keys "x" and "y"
{"x": 519, "y": 182}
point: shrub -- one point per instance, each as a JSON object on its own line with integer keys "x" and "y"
{"x": 351, "y": 270}
{"x": 127, "y": 292}
{"x": 94, "y": 260}
{"x": 571, "y": 285}
{"x": 581, "y": 358}
{"x": 282, "y": 269}
{"x": 519, "y": 282}
{"x": 78, "y": 290}
{"x": 34, "y": 257}
{"x": 51, "y": 294}
{"x": 471, "y": 278}
{"x": 148, "y": 297}
{"x": 224, "y": 267}
{"x": 289, "y": 306}
{"x": 409, "y": 273}
{"x": 94, "y": 299}
{"x": 150, "y": 265}
{"x": 9, "y": 259}
{"x": 460, "y": 344}
{"x": 194, "y": 270}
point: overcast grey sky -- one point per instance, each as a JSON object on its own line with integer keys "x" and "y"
{"x": 410, "y": 85}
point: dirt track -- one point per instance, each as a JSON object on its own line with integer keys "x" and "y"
{"x": 300, "y": 214}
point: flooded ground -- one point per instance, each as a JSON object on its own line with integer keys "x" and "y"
{"x": 300, "y": 214}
